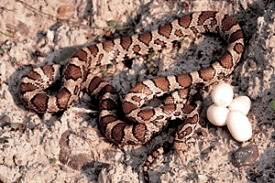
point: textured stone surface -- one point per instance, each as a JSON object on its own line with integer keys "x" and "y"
{"x": 245, "y": 156}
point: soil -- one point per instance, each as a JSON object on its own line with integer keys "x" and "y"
{"x": 68, "y": 147}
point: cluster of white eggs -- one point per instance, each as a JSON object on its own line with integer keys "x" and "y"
{"x": 230, "y": 112}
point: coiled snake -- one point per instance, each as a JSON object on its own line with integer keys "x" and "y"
{"x": 146, "y": 121}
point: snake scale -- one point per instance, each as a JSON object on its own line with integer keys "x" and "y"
{"x": 146, "y": 121}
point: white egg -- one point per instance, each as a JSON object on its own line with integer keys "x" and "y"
{"x": 222, "y": 95}
{"x": 217, "y": 115}
{"x": 241, "y": 103}
{"x": 239, "y": 126}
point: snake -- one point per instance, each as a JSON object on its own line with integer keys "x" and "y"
{"x": 131, "y": 121}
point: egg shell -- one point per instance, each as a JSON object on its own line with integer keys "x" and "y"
{"x": 222, "y": 95}
{"x": 239, "y": 126}
{"x": 240, "y": 103}
{"x": 217, "y": 115}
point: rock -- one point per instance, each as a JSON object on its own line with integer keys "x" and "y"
{"x": 69, "y": 155}
{"x": 245, "y": 156}
{"x": 5, "y": 120}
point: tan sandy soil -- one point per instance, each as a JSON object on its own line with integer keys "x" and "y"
{"x": 38, "y": 32}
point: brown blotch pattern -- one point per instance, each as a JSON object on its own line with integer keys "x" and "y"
{"x": 194, "y": 30}
{"x": 235, "y": 36}
{"x": 108, "y": 45}
{"x": 165, "y": 30}
{"x": 94, "y": 84}
{"x": 93, "y": 49}
{"x": 159, "y": 42}
{"x": 128, "y": 107}
{"x": 185, "y": 21}
{"x": 162, "y": 83}
{"x": 145, "y": 38}
{"x": 146, "y": 114}
{"x": 48, "y": 71}
{"x": 40, "y": 102}
{"x": 139, "y": 131}
{"x": 193, "y": 120}
{"x": 207, "y": 73}
{"x": 188, "y": 130}
{"x": 81, "y": 55}
{"x": 226, "y": 60}
{"x": 118, "y": 133}
{"x": 26, "y": 87}
{"x": 100, "y": 57}
{"x": 188, "y": 109}
{"x": 35, "y": 76}
{"x": 104, "y": 121}
{"x": 136, "y": 48}
{"x": 183, "y": 93}
{"x": 227, "y": 23}
{"x": 136, "y": 98}
{"x": 221, "y": 75}
{"x": 238, "y": 48}
{"x": 184, "y": 80}
{"x": 140, "y": 87}
{"x": 179, "y": 33}
{"x": 204, "y": 16}
{"x": 126, "y": 42}
{"x": 107, "y": 104}
{"x": 63, "y": 97}
{"x": 159, "y": 117}
{"x": 168, "y": 109}
{"x": 106, "y": 89}
{"x": 72, "y": 72}
{"x": 177, "y": 113}
{"x": 168, "y": 100}
{"x": 155, "y": 154}
{"x": 182, "y": 134}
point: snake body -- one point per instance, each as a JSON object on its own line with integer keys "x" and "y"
{"x": 77, "y": 75}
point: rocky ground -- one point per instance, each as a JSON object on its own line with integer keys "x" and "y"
{"x": 69, "y": 147}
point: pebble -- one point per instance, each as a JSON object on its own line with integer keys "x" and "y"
{"x": 245, "y": 156}
{"x": 5, "y": 120}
